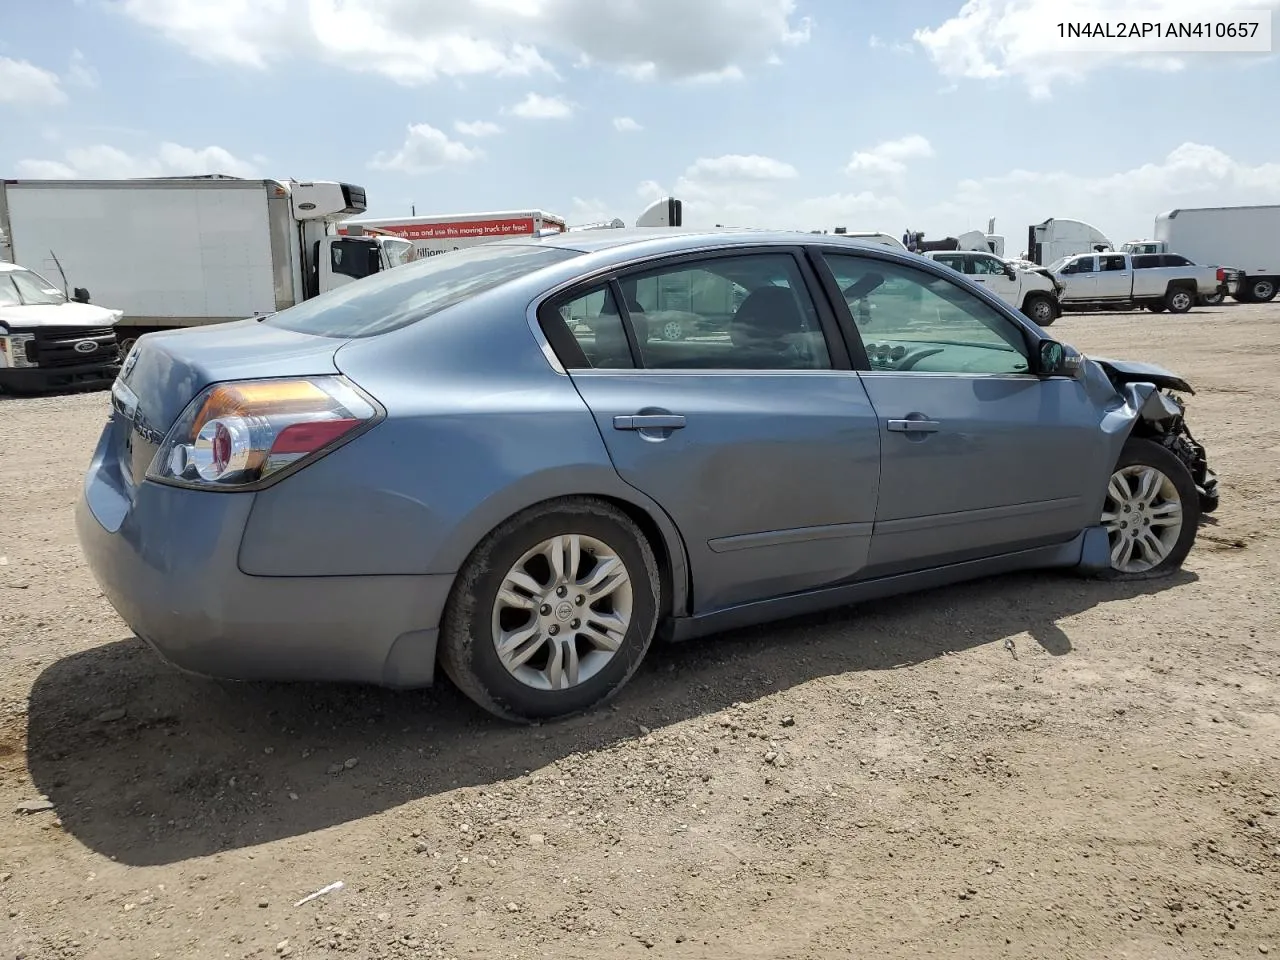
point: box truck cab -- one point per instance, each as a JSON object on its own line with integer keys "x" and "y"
{"x": 49, "y": 340}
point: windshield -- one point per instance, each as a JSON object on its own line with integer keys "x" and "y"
{"x": 1058, "y": 264}
{"x": 23, "y": 287}
{"x": 407, "y": 294}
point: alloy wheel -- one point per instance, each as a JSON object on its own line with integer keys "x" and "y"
{"x": 1143, "y": 518}
{"x": 562, "y": 612}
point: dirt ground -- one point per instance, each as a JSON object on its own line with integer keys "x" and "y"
{"x": 1031, "y": 766}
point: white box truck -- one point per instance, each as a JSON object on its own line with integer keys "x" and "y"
{"x": 187, "y": 251}
{"x": 1246, "y": 239}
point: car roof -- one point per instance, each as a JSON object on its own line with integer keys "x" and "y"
{"x": 7, "y": 267}
{"x": 674, "y": 239}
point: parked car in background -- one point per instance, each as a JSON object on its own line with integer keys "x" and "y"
{"x": 1102, "y": 281}
{"x": 49, "y": 341}
{"x": 1033, "y": 290}
{"x": 432, "y": 466}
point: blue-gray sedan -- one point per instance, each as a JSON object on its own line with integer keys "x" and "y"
{"x": 525, "y": 460}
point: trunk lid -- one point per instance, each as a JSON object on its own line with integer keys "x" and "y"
{"x": 165, "y": 372}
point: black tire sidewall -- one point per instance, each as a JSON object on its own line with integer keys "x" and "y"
{"x": 1034, "y": 301}
{"x": 1138, "y": 451}
{"x": 470, "y": 636}
{"x": 1169, "y": 299}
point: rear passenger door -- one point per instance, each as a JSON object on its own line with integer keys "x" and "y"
{"x": 751, "y": 430}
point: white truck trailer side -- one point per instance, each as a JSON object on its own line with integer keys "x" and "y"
{"x": 189, "y": 251}
{"x": 1246, "y": 238}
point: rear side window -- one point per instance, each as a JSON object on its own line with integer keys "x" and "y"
{"x": 599, "y": 336}
{"x": 407, "y": 294}
{"x": 1146, "y": 261}
{"x": 1175, "y": 260}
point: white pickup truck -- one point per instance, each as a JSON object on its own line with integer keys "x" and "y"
{"x": 1033, "y": 290}
{"x": 1104, "y": 281}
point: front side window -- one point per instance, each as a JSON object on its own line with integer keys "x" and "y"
{"x": 987, "y": 266}
{"x": 1083, "y": 265}
{"x": 748, "y": 312}
{"x": 923, "y": 323}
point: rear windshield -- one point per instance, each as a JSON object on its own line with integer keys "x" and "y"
{"x": 406, "y": 294}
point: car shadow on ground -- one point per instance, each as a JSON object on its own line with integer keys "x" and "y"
{"x": 193, "y": 767}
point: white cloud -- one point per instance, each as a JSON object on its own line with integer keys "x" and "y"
{"x": 890, "y": 157}
{"x": 537, "y": 107}
{"x": 80, "y": 72}
{"x": 735, "y": 167}
{"x": 626, "y": 125}
{"x": 25, "y": 84}
{"x": 990, "y": 39}
{"x": 413, "y": 42}
{"x": 105, "y": 162}
{"x": 878, "y": 43}
{"x": 1125, "y": 203}
{"x": 477, "y": 128}
{"x": 426, "y": 149}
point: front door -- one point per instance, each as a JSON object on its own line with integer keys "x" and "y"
{"x": 979, "y": 456}
{"x": 990, "y": 272}
{"x": 1081, "y": 279}
{"x": 763, "y": 452}
{"x": 1115, "y": 278}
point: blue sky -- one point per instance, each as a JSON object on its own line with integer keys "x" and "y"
{"x": 869, "y": 114}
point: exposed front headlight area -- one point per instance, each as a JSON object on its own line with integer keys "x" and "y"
{"x": 14, "y": 350}
{"x": 246, "y": 434}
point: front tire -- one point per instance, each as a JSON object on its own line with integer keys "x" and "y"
{"x": 1151, "y": 512}
{"x": 1040, "y": 310}
{"x": 552, "y": 612}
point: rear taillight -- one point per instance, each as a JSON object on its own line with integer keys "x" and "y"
{"x": 245, "y": 434}
{"x": 1222, "y": 275}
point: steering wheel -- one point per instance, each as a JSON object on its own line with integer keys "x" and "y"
{"x": 909, "y": 362}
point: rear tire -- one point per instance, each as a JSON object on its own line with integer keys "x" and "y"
{"x": 555, "y": 639}
{"x": 1262, "y": 289}
{"x": 1179, "y": 300}
{"x": 1151, "y": 512}
{"x": 1211, "y": 299}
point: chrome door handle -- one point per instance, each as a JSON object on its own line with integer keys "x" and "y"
{"x": 649, "y": 421}
{"x": 914, "y": 426}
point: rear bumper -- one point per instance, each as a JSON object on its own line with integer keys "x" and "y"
{"x": 45, "y": 379}
{"x": 166, "y": 559}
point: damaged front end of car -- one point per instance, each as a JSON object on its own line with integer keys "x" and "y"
{"x": 1153, "y": 392}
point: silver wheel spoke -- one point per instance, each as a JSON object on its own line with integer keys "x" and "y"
{"x": 1121, "y": 552}
{"x": 517, "y": 600}
{"x": 608, "y": 575}
{"x": 1118, "y": 490}
{"x": 1148, "y": 485}
{"x": 1111, "y": 520}
{"x": 1166, "y": 514}
{"x": 1152, "y": 546}
{"x": 562, "y": 665}
{"x": 515, "y": 648}
{"x": 604, "y": 631}
{"x": 565, "y": 553}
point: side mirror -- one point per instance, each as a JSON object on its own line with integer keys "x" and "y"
{"x": 80, "y": 295}
{"x": 1051, "y": 359}
{"x": 1010, "y": 271}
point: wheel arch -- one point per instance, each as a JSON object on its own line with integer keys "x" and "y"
{"x": 659, "y": 529}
